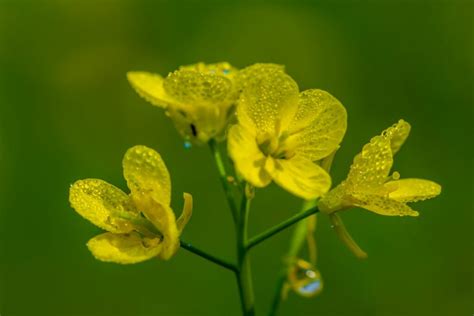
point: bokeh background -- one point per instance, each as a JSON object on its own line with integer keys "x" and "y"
{"x": 67, "y": 112}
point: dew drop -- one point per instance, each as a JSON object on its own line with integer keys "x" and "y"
{"x": 305, "y": 279}
{"x": 187, "y": 145}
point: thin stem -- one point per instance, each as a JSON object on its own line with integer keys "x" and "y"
{"x": 244, "y": 274}
{"x": 345, "y": 237}
{"x": 277, "y": 296}
{"x": 223, "y": 177}
{"x": 277, "y": 228}
{"x": 207, "y": 256}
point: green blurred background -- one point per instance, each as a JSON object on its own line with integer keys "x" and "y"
{"x": 67, "y": 112}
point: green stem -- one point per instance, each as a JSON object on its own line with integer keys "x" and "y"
{"x": 208, "y": 256}
{"x": 277, "y": 228}
{"x": 244, "y": 274}
{"x": 223, "y": 177}
{"x": 277, "y": 296}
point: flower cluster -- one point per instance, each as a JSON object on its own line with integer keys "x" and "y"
{"x": 274, "y": 133}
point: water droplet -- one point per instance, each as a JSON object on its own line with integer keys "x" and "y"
{"x": 305, "y": 279}
{"x": 395, "y": 175}
{"x": 226, "y": 71}
{"x": 187, "y": 145}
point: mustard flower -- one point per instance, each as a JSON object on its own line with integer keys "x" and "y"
{"x": 198, "y": 98}
{"x": 369, "y": 184}
{"x": 139, "y": 226}
{"x": 281, "y": 132}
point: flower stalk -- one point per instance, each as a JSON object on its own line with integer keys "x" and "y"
{"x": 201, "y": 253}
{"x": 279, "y": 227}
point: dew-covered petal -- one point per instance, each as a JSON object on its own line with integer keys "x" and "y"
{"x": 382, "y": 205}
{"x": 299, "y": 176}
{"x": 146, "y": 173}
{"x": 252, "y": 75}
{"x": 220, "y": 68}
{"x": 413, "y": 190}
{"x": 334, "y": 200}
{"x": 371, "y": 167}
{"x": 397, "y": 134}
{"x": 248, "y": 159}
{"x": 150, "y": 87}
{"x": 103, "y": 204}
{"x": 124, "y": 248}
{"x": 190, "y": 87}
{"x": 163, "y": 218}
{"x": 187, "y": 212}
{"x": 268, "y": 101}
{"x": 319, "y": 125}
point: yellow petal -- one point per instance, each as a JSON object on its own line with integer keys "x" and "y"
{"x": 163, "y": 218}
{"x": 124, "y": 248}
{"x": 146, "y": 173}
{"x": 247, "y": 157}
{"x": 187, "y": 212}
{"x": 397, "y": 134}
{"x": 268, "y": 101}
{"x": 221, "y": 68}
{"x": 103, "y": 204}
{"x": 300, "y": 176}
{"x": 193, "y": 87}
{"x": 334, "y": 200}
{"x": 150, "y": 87}
{"x": 319, "y": 125}
{"x": 199, "y": 123}
{"x": 413, "y": 190}
{"x": 371, "y": 167}
{"x": 382, "y": 205}
{"x": 253, "y": 74}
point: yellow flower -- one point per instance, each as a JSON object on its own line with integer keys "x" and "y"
{"x": 369, "y": 185}
{"x": 199, "y": 98}
{"x": 281, "y": 132}
{"x": 140, "y": 225}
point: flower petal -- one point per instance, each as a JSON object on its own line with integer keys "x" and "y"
{"x": 413, "y": 190}
{"x": 146, "y": 173}
{"x": 163, "y": 218}
{"x": 371, "y": 167}
{"x": 150, "y": 87}
{"x": 319, "y": 125}
{"x": 382, "y": 205}
{"x": 268, "y": 101}
{"x": 103, "y": 204}
{"x": 124, "y": 248}
{"x": 247, "y": 157}
{"x": 186, "y": 214}
{"x": 397, "y": 134}
{"x": 300, "y": 176}
{"x": 194, "y": 87}
{"x": 221, "y": 68}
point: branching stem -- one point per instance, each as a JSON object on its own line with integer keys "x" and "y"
{"x": 221, "y": 262}
{"x": 283, "y": 225}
